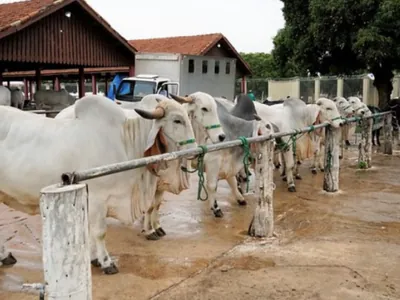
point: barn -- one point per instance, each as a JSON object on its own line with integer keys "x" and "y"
{"x": 205, "y": 62}
{"x": 41, "y": 35}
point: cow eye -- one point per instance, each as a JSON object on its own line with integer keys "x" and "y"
{"x": 328, "y": 108}
{"x": 204, "y": 109}
{"x": 177, "y": 121}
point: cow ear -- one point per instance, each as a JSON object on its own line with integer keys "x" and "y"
{"x": 156, "y": 144}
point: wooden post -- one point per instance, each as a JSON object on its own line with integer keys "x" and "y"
{"x": 30, "y": 90}
{"x": 365, "y": 146}
{"x": 388, "y": 134}
{"x": 262, "y": 224}
{"x": 57, "y": 84}
{"x": 38, "y": 80}
{"x": 331, "y": 160}
{"x": 66, "y": 244}
{"x": 26, "y": 89}
{"x": 81, "y": 83}
{"x": 94, "y": 84}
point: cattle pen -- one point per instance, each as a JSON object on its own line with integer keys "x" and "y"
{"x": 66, "y": 244}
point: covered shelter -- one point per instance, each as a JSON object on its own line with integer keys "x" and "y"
{"x": 39, "y": 35}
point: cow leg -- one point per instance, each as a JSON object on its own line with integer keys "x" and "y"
{"x": 149, "y": 231}
{"x": 314, "y": 161}
{"x": 155, "y": 216}
{"x": 277, "y": 162}
{"x": 211, "y": 186}
{"x": 6, "y": 257}
{"x": 289, "y": 166}
{"x": 296, "y": 168}
{"x": 378, "y": 133}
{"x": 234, "y": 190}
{"x": 98, "y": 228}
{"x": 321, "y": 158}
{"x": 373, "y": 137}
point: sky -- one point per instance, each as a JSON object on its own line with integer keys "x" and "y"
{"x": 249, "y": 25}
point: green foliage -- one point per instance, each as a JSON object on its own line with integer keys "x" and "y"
{"x": 337, "y": 37}
{"x": 261, "y": 64}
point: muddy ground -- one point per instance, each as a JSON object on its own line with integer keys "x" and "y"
{"x": 345, "y": 246}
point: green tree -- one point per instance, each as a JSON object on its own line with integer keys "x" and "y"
{"x": 343, "y": 37}
{"x": 261, "y": 64}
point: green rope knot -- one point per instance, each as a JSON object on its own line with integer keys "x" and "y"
{"x": 200, "y": 170}
{"x": 246, "y": 159}
{"x": 312, "y": 128}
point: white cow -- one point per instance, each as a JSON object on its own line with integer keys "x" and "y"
{"x": 359, "y": 108}
{"x": 53, "y": 100}
{"x": 41, "y": 149}
{"x": 17, "y": 98}
{"x": 345, "y": 110}
{"x": 293, "y": 115}
{"x": 5, "y": 96}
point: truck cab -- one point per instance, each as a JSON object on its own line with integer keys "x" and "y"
{"x": 133, "y": 89}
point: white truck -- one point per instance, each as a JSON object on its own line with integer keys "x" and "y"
{"x": 133, "y": 89}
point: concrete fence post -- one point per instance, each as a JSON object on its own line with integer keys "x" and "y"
{"x": 339, "y": 91}
{"x": 387, "y": 128}
{"x": 66, "y": 244}
{"x": 331, "y": 160}
{"x": 317, "y": 89}
{"x": 365, "y": 146}
{"x": 262, "y": 224}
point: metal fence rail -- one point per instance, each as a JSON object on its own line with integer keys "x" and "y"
{"x": 78, "y": 176}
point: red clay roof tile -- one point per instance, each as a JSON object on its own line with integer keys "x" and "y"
{"x": 190, "y": 45}
{"x": 22, "y": 11}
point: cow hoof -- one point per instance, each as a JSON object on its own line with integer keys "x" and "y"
{"x": 9, "y": 260}
{"x": 218, "y": 213}
{"x": 111, "y": 270}
{"x": 152, "y": 236}
{"x": 284, "y": 178}
{"x": 322, "y": 170}
{"x": 160, "y": 232}
{"x": 299, "y": 162}
{"x": 347, "y": 143}
{"x": 298, "y": 177}
{"x": 292, "y": 189}
{"x": 242, "y": 202}
{"x": 340, "y": 157}
{"x": 95, "y": 263}
{"x": 277, "y": 166}
{"x": 314, "y": 171}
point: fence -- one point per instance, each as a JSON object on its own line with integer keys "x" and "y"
{"x": 64, "y": 208}
{"x": 311, "y": 88}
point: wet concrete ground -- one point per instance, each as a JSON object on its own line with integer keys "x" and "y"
{"x": 345, "y": 246}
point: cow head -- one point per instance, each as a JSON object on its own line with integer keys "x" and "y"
{"x": 202, "y": 111}
{"x": 328, "y": 112}
{"x": 359, "y": 107}
{"x": 171, "y": 129}
{"x": 344, "y": 107}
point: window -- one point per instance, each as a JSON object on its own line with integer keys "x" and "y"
{"x": 191, "y": 66}
{"x": 205, "y": 67}
{"x": 216, "y": 67}
{"x": 129, "y": 90}
{"x": 228, "y": 67}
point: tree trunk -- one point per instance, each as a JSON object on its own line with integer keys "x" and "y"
{"x": 383, "y": 83}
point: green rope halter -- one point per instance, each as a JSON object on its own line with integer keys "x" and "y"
{"x": 200, "y": 170}
{"x": 191, "y": 141}
{"x": 212, "y": 126}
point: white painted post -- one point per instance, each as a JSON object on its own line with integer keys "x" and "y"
{"x": 317, "y": 89}
{"x": 365, "y": 146}
{"x": 66, "y": 244}
{"x": 331, "y": 160}
{"x": 388, "y": 149}
{"x": 262, "y": 224}
{"x": 339, "y": 90}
